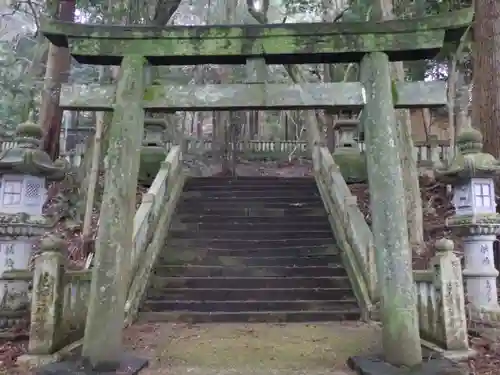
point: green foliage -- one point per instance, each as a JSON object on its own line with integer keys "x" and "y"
{"x": 301, "y": 6}
{"x": 16, "y": 93}
{"x": 150, "y": 163}
{"x": 441, "y": 6}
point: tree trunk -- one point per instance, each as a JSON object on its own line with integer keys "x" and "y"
{"x": 313, "y": 130}
{"x": 58, "y": 66}
{"x": 486, "y": 88}
{"x": 92, "y": 185}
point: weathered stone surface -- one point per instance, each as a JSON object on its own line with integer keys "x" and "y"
{"x": 151, "y": 159}
{"x": 128, "y": 365}
{"x": 103, "y": 330}
{"x": 279, "y": 44}
{"x": 169, "y": 98}
{"x": 47, "y": 298}
{"x": 28, "y": 158}
{"x": 433, "y": 366}
{"x": 352, "y": 165}
{"x": 390, "y": 231}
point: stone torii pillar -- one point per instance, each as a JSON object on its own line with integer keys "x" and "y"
{"x": 102, "y": 343}
{"x": 400, "y": 331}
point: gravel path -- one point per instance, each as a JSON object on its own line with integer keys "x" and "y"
{"x": 251, "y": 349}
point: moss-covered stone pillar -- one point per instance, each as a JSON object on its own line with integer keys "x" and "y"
{"x": 47, "y": 297}
{"x": 401, "y": 339}
{"x": 102, "y": 344}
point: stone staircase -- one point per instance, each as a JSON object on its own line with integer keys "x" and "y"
{"x": 252, "y": 249}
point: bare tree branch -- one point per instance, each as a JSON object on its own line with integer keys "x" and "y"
{"x": 164, "y": 11}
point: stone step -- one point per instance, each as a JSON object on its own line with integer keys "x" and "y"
{"x": 231, "y": 210}
{"x": 261, "y": 203}
{"x": 242, "y": 244}
{"x": 159, "y": 282}
{"x": 259, "y": 294}
{"x": 189, "y": 270}
{"x": 213, "y": 221}
{"x": 242, "y": 225}
{"x": 295, "y": 201}
{"x": 250, "y": 249}
{"x": 230, "y": 182}
{"x": 310, "y": 186}
{"x": 183, "y": 252}
{"x": 249, "y": 317}
{"x": 249, "y": 261}
{"x": 252, "y": 193}
{"x": 242, "y": 306}
{"x": 250, "y": 234}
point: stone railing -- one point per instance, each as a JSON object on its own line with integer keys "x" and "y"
{"x": 350, "y": 228}
{"x": 440, "y": 300}
{"x": 158, "y": 207}
{"x": 60, "y": 297}
{"x": 424, "y": 153}
{"x": 58, "y": 301}
{"x": 440, "y": 290}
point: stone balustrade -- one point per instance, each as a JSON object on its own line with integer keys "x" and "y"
{"x": 440, "y": 291}
{"x": 60, "y": 297}
{"x": 350, "y": 228}
{"x": 424, "y": 153}
{"x": 72, "y": 297}
{"x": 440, "y": 300}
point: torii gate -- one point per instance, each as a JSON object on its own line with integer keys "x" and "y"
{"x": 372, "y": 44}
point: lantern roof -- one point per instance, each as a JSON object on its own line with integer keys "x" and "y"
{"x": 469, "y": 161}
{"x": 28, "y": 158}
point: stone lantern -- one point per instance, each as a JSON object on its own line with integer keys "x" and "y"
{"x": 153, "y": 150}
{"x": 154, "y": 132}
{"x": 471, "y": 175}
{"x": 347, "y": 155}
{"x": 24, "y": 173}
{"x": 347, "y": 130}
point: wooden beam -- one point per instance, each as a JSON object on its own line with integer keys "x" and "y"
{"x": 410, "y": 39}
{"x": 251, "y": 96}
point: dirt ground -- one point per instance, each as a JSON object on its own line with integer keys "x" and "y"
{"x": 253, "y": 349}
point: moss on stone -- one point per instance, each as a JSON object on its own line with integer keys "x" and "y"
{"x": 151, "y": 159}
{"x": 352, "y": 165}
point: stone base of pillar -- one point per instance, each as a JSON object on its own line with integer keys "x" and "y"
{"x": 129, "y": 365}
{"x": 14, "y": 324}
{"x": 485, "y": 315}
{"x": 430, "y": 366}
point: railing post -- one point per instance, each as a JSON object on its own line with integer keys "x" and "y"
{"x": 449, "y": 286}
{"x": 435, "y": 151}
{"x": 48, "y": 297}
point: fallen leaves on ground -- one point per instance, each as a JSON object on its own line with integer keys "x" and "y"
{"x": 9, "y": 351}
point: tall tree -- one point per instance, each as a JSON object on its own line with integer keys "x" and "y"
{"x": 57, "y": 71}
{"x": 486, "y": 79}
